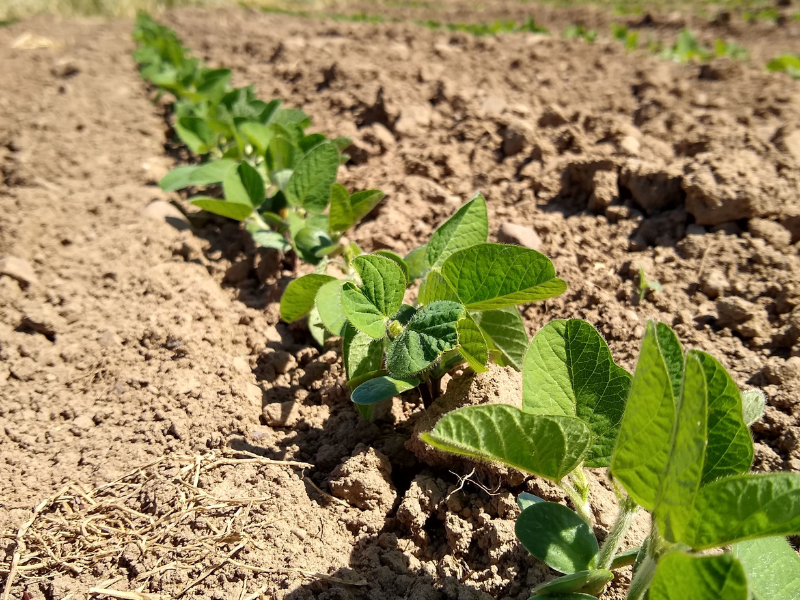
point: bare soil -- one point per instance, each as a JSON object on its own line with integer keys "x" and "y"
{"x": 146, "y": 381}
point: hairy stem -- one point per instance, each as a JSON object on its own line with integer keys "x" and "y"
{"x": 627, "y": 510}
{"x": 656, "y": 548}
{"x": 579, "y": 502}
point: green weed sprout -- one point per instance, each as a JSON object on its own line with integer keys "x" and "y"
{"x": 785, "y": 63}
{"x": 629, "y": 38}
{"x": 580, "y": 32}
{"x": 275, "y": 177}
{"x": 675, "y": 439}
{"x": 465, "y": 310}
{"x": 645, "y": 284}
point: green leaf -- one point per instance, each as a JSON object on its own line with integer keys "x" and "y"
{"x": 244, "y": 185}
{"x": 417, "y": 262}
{"x": 643, "y": 444}
{"x": 744, "y": 507}
{"x": 309, "y": 241}
{"x": 730, "y": 447}
{"x": 342, "y": 143}
{"x": 753, "y": 402}
{"x": 361, "y": 353}
{"x": 558, "y": 537}
{"x": 504, "y": 331}
{"x": 396, "y": 258}
{"x": 298, "y": 298}
{"x": 260, "y": 136}
{"x": 625, "y": 558}
{"x": 266, "y": 238}
{"x": 316, "y": 327}
{"x": 196, "y": 134}
{"x": 382, "y": 388}
{"x": 672, "y": 353}
{"x": 329, "y": 305}
{"x": 490, "y": 276}
{"x": 684, "y": 468}
{"x": 311, "y": 141}
{"x": 382, "y": 282}
{"x": 524, "y": 500}
{"x": 347, "y": 210}
{"x": 311, "y": 181}
{"x": 569, "y": 370}
{"x": 196, "y": 175}
{"x": 467, "y": 227}
{"x": 543, "y": 445}
{"x": 232, "y": 210}
{"x": 434, "y": 288}
{"x": 680, "y": 576}
{"x": 772, "y": 568}
{"x": 565, "y": 597}
{"x": 591, "y": 582}
{"x": 361, "y": 313}
{"x": 471, "y": 344}
{"x": 430, "y": 332}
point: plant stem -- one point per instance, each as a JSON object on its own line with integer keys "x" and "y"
{"x": 425, "y": 393}
{"x": 656, "y": 548}
{"x": 579, "y": 501}
{"x": 627, "y": 510}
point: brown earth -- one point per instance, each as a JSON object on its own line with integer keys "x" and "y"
{"x": 126, "y": 340}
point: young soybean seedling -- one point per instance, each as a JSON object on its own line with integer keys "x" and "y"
{"x": 465, "y": 310}
{"x": 645, "y": 284}
{"x": 682, "y": 451}
{"x": 275, "y": 177}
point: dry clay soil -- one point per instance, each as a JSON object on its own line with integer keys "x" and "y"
{"x": 140, "y": 346}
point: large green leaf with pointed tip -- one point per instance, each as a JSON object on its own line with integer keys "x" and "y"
{"x": 558, "y": 537}
{"x": 684, "y": 468}
{"x": 745, "y": 507}
{"x": 730, "y": 447}
{"x": 680, "y": 576}
{"x": 312, "y": 178}
{"x": 543, "y": 445}
{"x": 492, "y": 276}
{"x": 645, "y": 434}
{"x": 298, "y": 298}
{"x": 505, "y": 332}
{"x": 569, "y": 370}
{"x": 467, "y": 227}
{"x": 382, "y": 388}
{"x": 431, "y": 332}
{"x": 772, "y": 568}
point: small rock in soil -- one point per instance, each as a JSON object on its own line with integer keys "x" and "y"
{"x": 714, "y": 284}
{"x": 515, "y": 136}
{"x": 734, "y": 311}
{"x": 604, "y": 190}
{"x": 364, "y": 480}
{"x": 629, "y": 145}
{"x": 158, "y": 210}
{"x": 770, "y": 231}
{"x": 413, "y": 118}
{"x": 512, "y": 233}
{"x": 18, "y": 269}
{"x": 282, "y": 414}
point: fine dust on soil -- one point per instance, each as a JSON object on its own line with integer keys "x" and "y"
{"x": 127, "y": 340}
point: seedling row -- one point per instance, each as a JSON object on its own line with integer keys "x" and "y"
{"x": 673, "y": 436}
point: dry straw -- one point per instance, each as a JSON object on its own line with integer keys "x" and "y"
{"x": 76, "y": 529}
